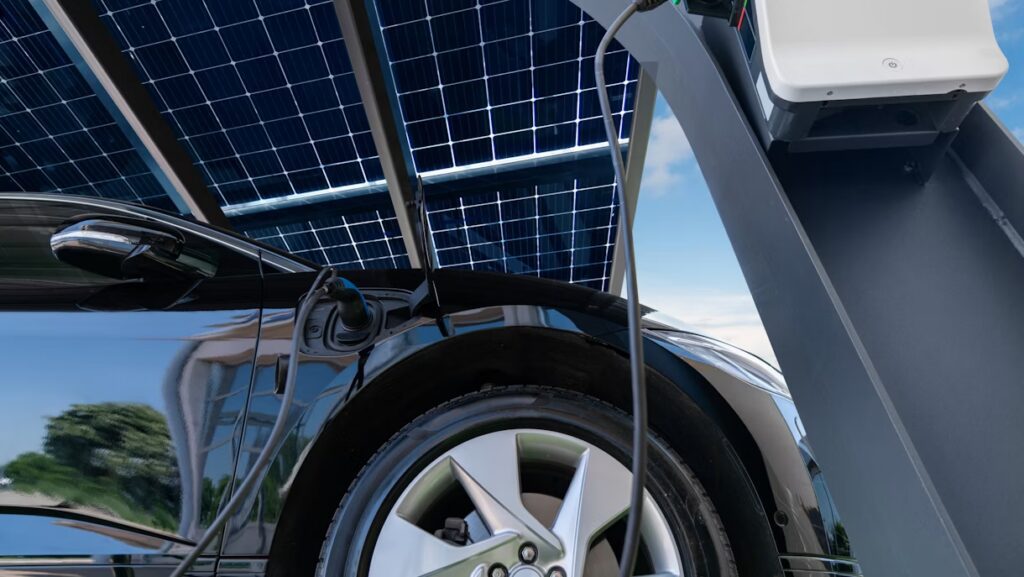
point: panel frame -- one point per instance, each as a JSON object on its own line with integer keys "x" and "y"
{"x": 365, "y": 45}
{"x": 640, "y": 133}
{"x": 81, "y": 33}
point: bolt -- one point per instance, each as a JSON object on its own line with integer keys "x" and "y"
{"x": 556, "y": 572}
{"x": 528, "y": 553}
{"x": 781, "y": 518}
{"x": 497, "y": 570}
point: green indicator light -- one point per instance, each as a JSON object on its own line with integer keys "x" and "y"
{"x": 676, "y": 2}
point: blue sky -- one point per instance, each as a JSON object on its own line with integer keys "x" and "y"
{"x": 677, "y": 222}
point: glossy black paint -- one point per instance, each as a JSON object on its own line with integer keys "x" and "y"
{"x": 123, "y": 400}
{"x": 174, "y": 384}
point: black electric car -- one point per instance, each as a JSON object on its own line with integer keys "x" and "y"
{"x": 478, "y": 429}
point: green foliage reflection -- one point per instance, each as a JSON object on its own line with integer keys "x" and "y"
{"x": 113, "y": 457}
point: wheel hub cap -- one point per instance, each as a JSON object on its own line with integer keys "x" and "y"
{"x": 526, "y": 571}
{"x": 487, "y": 469}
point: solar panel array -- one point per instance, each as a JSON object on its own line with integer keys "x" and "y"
{"x": 262, "y": 95}
{"x": 367, "y": 239}
{"x": 562, "y": 229}
{"x": 488, "y": 80}
{"x": 55, "y": 133}
{"x": 259, "y": 92}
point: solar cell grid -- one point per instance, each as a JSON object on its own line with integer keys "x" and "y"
{"x": 367, "y": 239}
{"x": 563, "y": 229}
{"x": 55, "y": 133}
{"x": 490, "y": 81}
{"x": 259, "y": 92}
{"x": 485, "y": 81}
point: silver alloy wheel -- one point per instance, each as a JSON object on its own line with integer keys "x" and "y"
{"x": 487, "y": 469}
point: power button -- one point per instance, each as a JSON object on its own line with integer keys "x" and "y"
{"x": 892, "y": 64}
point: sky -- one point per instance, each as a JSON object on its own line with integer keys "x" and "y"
{"x": 686, "y": 265}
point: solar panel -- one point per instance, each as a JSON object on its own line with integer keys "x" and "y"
{"x": 55, "y": 133}
{"x": 364, "y": 239}
{"x": 562, "y": 229}
{"x": 499, "y": 79}
{"x": 492, "y": 80}
{"x": 259, "y": 92}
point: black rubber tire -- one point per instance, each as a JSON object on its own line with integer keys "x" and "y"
{"x": 690, "y": 513}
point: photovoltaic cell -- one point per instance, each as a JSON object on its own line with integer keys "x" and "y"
{"x": 260, "y": 92}
{"x": 55, "y": 134}
{"x": 492, "y": 80}
{"x": 563, "y": 229}
{"x": 368, "y": 239}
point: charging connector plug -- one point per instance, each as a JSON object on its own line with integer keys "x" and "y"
{"x": 353, "y": 312}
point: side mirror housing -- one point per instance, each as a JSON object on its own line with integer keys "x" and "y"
{"x": 127, "y": 249}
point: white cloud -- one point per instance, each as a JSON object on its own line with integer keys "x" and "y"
{"x": 668, "y": 156}
{"x": 730, "y": 317}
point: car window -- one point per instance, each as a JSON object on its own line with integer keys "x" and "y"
{"x": 27, "y": 261}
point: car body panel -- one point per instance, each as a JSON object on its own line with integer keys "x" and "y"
{"x": 472, "y": 303}
{"x": 769, "y": 415}
{"x": 123, "y": 403}
{"x": 187, "y": 373}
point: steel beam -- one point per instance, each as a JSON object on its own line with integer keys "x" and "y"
{"x": 365, "y": 44}
{"x": 82, "y": 34}
{"x": 894, "y": 309}
{"x": 524, "y": 172}
{"x": 539, "y": 165}
{"x": 639, "y": 137}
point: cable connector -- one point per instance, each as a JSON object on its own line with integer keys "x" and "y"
{"x": 730, "y": 10}
{"x": 645, "y": 5}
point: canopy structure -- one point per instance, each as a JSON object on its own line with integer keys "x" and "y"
{"x": 262, "y": 115}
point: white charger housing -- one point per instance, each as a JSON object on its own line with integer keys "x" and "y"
{"x": 815, "y": 50}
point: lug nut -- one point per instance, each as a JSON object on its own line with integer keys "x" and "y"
{"x": 556, "y": 572}
{"x": 498, "y": 570}
{"x": 528, "y": 553}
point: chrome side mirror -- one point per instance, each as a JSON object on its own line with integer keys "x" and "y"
{"x": 127, "y": 249}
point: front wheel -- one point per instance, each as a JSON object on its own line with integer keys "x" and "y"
{"x": 520, "y": 482}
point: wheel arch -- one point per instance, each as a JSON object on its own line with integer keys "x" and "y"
{"x": 725, "y": 456}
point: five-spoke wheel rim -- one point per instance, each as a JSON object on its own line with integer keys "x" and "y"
{"x": 487, "y": 469}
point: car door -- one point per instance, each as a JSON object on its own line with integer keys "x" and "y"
{"x": 121, "y": 402}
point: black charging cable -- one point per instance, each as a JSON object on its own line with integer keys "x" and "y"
{"x": 636, "y": 340}
{"x": 316, "y": 290}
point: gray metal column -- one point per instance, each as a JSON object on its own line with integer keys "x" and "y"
{"x": 895, "y": 309}
{"x": 78, "y": 28}
{"x": 639, "y": 137}
{"x": 365, "y": 46}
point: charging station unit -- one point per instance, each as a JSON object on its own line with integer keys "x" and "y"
{"x": 840, "y": 75}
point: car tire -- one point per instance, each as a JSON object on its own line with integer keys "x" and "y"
{"x": 686, "y": 511}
